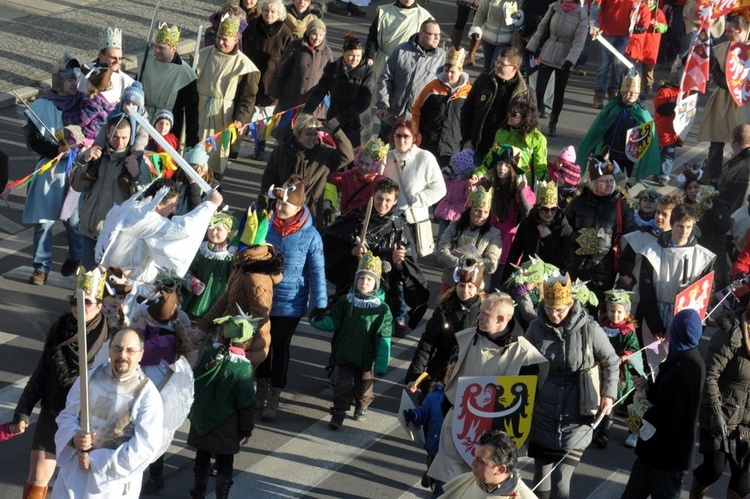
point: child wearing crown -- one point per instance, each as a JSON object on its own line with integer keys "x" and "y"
{"x": 356, "y": 185}
{"x": 361, "y": 323}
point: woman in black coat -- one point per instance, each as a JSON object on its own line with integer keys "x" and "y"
{"x": 350, "y": 82}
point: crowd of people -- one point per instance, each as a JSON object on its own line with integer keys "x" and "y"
{"x": 557, "y": 270}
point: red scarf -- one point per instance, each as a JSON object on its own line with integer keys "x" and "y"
{"x": 625, "y": 327}
{"x": 291, "y": 225}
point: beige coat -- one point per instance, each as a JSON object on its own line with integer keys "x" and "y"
{"x": 721, "y": 114}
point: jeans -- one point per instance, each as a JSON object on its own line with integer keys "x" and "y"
{"x": 667, "y": 160}
{"x": 42, "y": 249}
{"x": 608, "y": 63}
{"x": 561, "y": 81}
{"x": 277, "y": 363}
{"x": 584, "y": 57}
{"x": 715, "y": 160}
{"x": 88, "y": 259}
{"x": 400, "y": 314}
{"x": 491, "y": 51}
{"x": 645, "y": 481}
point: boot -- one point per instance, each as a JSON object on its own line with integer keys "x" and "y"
{"x": 456, "y": 36}
{"x": 272, "y": 404}
{"x": 198, "y": 490}
{"x": 470, "y": 59}
{"x": 261, "y": 393}
{"x": 697, "y": 491}
{"x": 34, "y": 491}
{"x": 223, "y": 484}
{"x": 598, "y": 100}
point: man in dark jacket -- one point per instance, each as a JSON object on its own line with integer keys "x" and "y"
{"x": 487, "y": 103}
{"x": 734, "y": 182}
{"x": 667, "y": 436}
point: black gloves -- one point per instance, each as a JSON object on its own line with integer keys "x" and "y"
{"x": 410, "y": 416}
{"x": 718, "y": 425}
{"x": 639, "y": 29}
{"x": 566, "y": 67}
{"x": 317, "y": 314}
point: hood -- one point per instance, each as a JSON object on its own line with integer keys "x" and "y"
{"x": 262, "y": 259}
{"x": 576, "y": 319}
{"x": 665, "y": 237}
{"x": 685, "y": 332}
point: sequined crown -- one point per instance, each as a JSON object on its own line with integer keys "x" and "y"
{"x": 166, "y": 35}
{"x": 110, "y": 37}
{"x": 92, "y": 283}
{"x": 229, "y": 26}
{"x": 558, "y": 291}
{"x": 480, "y": 199}
{"x": 546, "y": 193}
{"x": 371, "y": 264}
{"x": 375, "y": 149}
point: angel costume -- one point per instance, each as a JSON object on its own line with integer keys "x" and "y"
{"x": 126, "y": 418}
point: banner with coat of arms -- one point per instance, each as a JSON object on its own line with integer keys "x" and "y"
{"x": 695, "y": 296}
{"x": 737, "y": 72}
{"x": 638, "y": 140}
{"x": 486, "y": 403}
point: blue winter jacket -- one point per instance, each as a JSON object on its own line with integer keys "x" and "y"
{"x": 304, "y": 270}
{"x": 430, "y": 415}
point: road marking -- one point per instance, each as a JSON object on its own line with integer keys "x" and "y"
{"x": 612, "y": 487}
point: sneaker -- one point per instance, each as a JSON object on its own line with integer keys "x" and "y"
{"x": 340, "y": 8}
{"x": 69, "y": 267}
{"x": 38, "y": 278}
{"x": 355, "y": 10}
{"x": 360, "y": 414}
{"x": 337, "y": 419}
{"x": 152, "y": 486}
{"x": 579, "y": 70}
{"x": 631, "y": 440}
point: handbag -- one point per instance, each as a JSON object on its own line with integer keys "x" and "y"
{"x": 419, "y": 219}
{"x": 589, "y": 380}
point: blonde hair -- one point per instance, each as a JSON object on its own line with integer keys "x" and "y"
{"x": 304, "y": 122}
{"x": 501, "y": 300}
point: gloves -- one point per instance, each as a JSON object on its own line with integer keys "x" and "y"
{"x": 410, "y": 415}
{"x": 718, "y": 425}
{"x": 566, "y": 67}
{"x": 317, "y": 314}
{"x": 639, "y": 30}
{"x": 519, "y": 291}
{"x": 195, "y": 285}
{"x": 474, "y": 36}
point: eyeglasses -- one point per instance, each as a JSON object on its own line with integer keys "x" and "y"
{"x": 402, "y": 135}
{"x": 555, "y": 311}
{"x": 547, "y": 209}
{"x": 433, "y": 35}
{"x": 89, "y": 303}
{"x": 118, "y": 350}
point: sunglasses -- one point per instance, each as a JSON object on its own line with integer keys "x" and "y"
{"x": 402, "y": 135}
{"x": 89, "y": 303}
{"x": 545, "y": 209}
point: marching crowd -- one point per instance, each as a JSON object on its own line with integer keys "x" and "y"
{"x": 556, "y": 269}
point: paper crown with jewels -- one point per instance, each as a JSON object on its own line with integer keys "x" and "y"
{"x": 166, "y": 35}
{"x": 375, "y": 149}
{"x": 546, "y": 193}
{"x": 371, "y": 264}
{"x": 110, "y": 37}
{"x": 480, "y": 199}
{"x": 229, "y": 26}
{"x": 631, "y": 83}
{"x": 558, "y": 291}
{"x": 92, "y": 283}
{"x": 455, "y": 57}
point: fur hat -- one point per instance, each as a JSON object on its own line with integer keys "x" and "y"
{"x": 134, "y": 93}
{"x": 463, "y": 162}
{"x": 164, "y": 114}
{"x": 558, "y": 291}
{"x": 164, "y": 306}
{"x": 469, "y": 270}
{"x": 99, "y": 75}
{"x": 370, "y": 265}
{"x": 293, "y": 192}
{"x": 64, "y": 70}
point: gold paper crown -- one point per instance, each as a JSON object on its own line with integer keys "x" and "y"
{"x": 631, "y": 83}
{"x": 229, "y": 26}
{"x": 375, "y": 149}
{"x": 166, "y": 35}
{"x": 370, "y": 263}
{"x": 546, "y": 193}
{"x": 110, "y": 37}
{"x": 92, "y": 283}
{"x": 480, "y": 199}
{"x": 558, "y": 291}
{"x": 456, "y": 57}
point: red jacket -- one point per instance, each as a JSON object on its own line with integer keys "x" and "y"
{"x": 614, "y": 16}
{"x": 667, "y": 94}
{"x": 644, "y": 47}
{"x": 355, "y": 190}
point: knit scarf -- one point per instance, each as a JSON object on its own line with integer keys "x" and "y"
{"x": 291, "y": 225}
{"x": 70, "y": 105}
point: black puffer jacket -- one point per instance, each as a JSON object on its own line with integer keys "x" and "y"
{"x": 438, "y": 342}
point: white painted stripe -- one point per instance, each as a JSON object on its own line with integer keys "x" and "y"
{"x": 612, "y": 487}
{"x": 6, "y": 337}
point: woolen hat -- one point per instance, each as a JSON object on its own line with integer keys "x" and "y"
{"x": 567, "y": 154}
{"x": 164, "y": 114}
{"x": 134, "y": 93}
{"x": 571, "y": 173}
{"x": 197, "y": 156}
{"x": 463, "y": 162}
{"x": 315, "y": 24}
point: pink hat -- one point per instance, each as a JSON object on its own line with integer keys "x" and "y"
{"x": 463, "y": 161}
{"x": 567, "y": 154}
{"x": 571, "y": 173}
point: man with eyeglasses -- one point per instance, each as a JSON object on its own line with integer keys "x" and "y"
{"x": 110, "y": 52}
{"x": 54, "y": 376}
{"x": 126, "y": 417}
{"x": 409, "y": 68}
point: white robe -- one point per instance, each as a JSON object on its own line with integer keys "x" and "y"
{"x": 115, "y": 472}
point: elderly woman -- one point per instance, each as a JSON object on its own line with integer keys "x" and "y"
{"x": 599, "y": 217}
{"x": 472, "y": 229}
{"x": 291, "y": 232}
{"x": 303, "y": 154}
{"x": 520, "y": 129}
{"x": 264, "y": 41}
{"x": 350, "y": 82}
{"x": 564, "y": 27}
{"x": 572, "y": 342}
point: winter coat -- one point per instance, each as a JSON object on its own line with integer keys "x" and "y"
{"x": 297, "y": 22}
{"x": 665, "y": 102}
{"x": 437, "y": 112}
{"x": 351, "y": 93}
{"x": 553, "y": 249}
{"x": 264, "y": 45}
{"x": 721, "y": 113}
{"x": 438, "y": 342}
{"x": 313, "y": 165}
{"x": 418, "y": 176}
{"x": 478, "y": 123}
{"x": 430, "y": 415}
{"x": 676, "y": 398}
{"x": 452, "y": 206}
{"x": 727, "y": 387}
{"x": 557, "y": 423}
{"x": 734, "y": 182}
{"x": 534, "y": 144}
{"x": 487, "y": 241}
{"x": 644, "y": 47}
{"x": 407, "y": 71}
{"x": 299, "y": 70}
{"x": 593, "y": 254}
{"x": 304, "y": 270}
{"x": 489, "y": 22}
{"x": 355, "y": 190}
{"x": 565, "y": 35}
{"x": 714, "y": 226}
{"x": 613, "y": 16}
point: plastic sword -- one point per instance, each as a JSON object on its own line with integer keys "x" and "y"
{"x": 83, "y": 365}
{"x": 624, "y": 60}
{"x": 35, "y": 116}
{"x": 148, "y": 41}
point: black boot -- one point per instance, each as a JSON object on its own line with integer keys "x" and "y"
{"x": 198, "y": 490}
{"x": 223, "y": 484}
{"x": 601, "y": 434}
{"x": 155, "y": 480}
